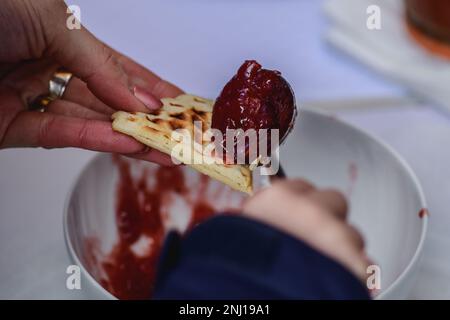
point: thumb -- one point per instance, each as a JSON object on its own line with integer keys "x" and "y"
{"x": 91, "y": 60}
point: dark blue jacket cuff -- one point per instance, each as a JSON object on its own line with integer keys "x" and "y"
{"x": 231, "y": 257}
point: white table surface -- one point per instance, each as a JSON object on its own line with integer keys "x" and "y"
{"x": 198, "y": 44}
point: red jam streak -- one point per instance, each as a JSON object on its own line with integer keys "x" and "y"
{"x": 423, "y": 213}
{"x": 142, "y": 213}
{"x": 255, "y": 98}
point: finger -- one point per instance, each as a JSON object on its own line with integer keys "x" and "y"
{"x": 299, "y": 186}
{"x": 154, "y": 156}
{"x": 287, "y": 190}
{"x": 354, "y": 236}
{"x": 342, "y": 243}
{"x": 78, "y": 92}
{"x": 354, "y": 260}
{"x": 10, "y": 106}
{"x": 106, "y": 80}
{"x": 36, "y": 129}
{"x": 357, "y": 263}
{"x": 143, "y": 78}
{"x": 332, "y": 200}
{"x": 31, "y": 79}
{"x": 94, "y": 63}
{"x": 71, "y": 109}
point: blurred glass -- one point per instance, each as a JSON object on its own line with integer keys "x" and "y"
{"x": 429, "y": 23}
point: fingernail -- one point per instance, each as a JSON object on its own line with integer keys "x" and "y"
{"x": 147, "y": 98}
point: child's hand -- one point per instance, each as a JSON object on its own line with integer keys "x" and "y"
{"x": 318, "y": 217}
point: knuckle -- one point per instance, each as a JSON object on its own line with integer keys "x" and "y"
{"x": 160, "y": 87}
{"x": 354, "y": 237}
{"x": 297, "y": 187}
{"x": 342, "y": 235}
{"x": 108, "y": 59}
{"x": 45, "y": 131}
{"x": 338, "y": 201}
{"x": 303, "y": 183}
{"x": 82, "y": 134}
{"x": 337, "y": 195}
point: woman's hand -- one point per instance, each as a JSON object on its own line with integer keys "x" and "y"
{"x": 318, "y": 217}
{"x": 34, "y": 43}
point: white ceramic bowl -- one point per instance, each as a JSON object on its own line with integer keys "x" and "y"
{"x": 385, "y": 198}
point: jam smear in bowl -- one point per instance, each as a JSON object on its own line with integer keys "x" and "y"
{"x": 137, "y": 205}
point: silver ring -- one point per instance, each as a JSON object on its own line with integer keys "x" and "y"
{"x": 56, "y": 88}
{"x": 58, "y": 84}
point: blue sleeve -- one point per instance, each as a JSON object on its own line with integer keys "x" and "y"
{"x": 231, "y": 257}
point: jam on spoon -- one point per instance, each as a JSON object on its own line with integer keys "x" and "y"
{"x": 255, "y": 98}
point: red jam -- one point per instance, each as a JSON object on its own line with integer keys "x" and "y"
{"x": 142, "y": 212}
{"x": 139, "y": 213}
{"x": 255, "y": 98}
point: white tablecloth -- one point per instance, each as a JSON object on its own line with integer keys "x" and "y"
{"x": 198, "y": 44}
